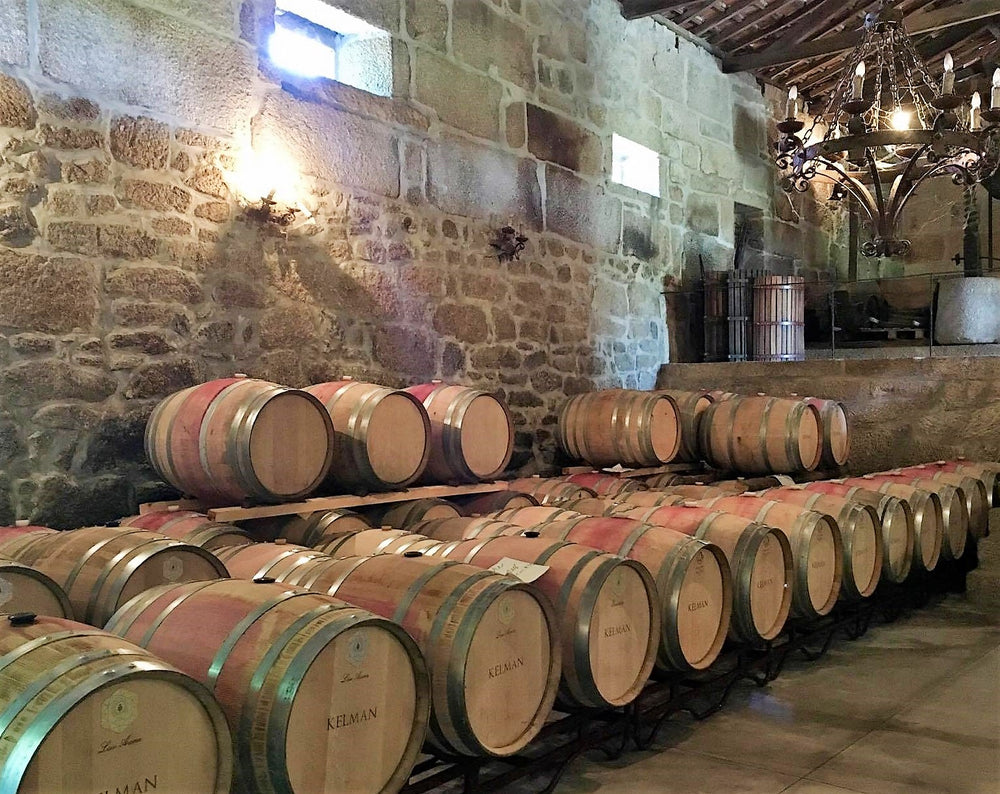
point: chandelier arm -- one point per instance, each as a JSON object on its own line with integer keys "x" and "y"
{"x": 854, "y": 186}
{"x": 876, "y": 182}
{"x": 940, "y": 168}
{"x": 895, "y": 203}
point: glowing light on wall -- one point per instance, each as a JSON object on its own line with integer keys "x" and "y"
{"x": 300, "y": 54}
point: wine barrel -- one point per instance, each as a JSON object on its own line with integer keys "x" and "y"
{"x": 530, "y": 517}
{"x": 896, "y": 518}
{"x": 694, "y": 491}
{"x": 987, "y": 473}
{"x": 977, "y": 498}
{"x": 383, "y": 436}
{"x": 549, "y": 491}
{"x": 466, "y": 528}
{"x": 477, "y": 504}
{"x": 403, "y": 515}
{"x": 693, "y": 582}
{"x": 860, "y": 530}
{"x": 761, "y": 435}
{"x": 779, "y": 306}
{"x": 239, "y": 438}
{"x": 491, "y": 642}
{"x": 100, "y": 568}
{"x": 836, "y": 431}
{"x": 605, "y": 484}
{"x": 817, "y": 549}
{"x": 310, "y": 529}
{"x": 472, "y": 434}
{"x": 607, "y": 610}
{"x": 267, "y": 560}
{"x": 23, "y": 589}
{"x": 633, "y": 428}
{"x": 85, "y": 710}
{"x": 607, "y": 507}
{"x": 321, "y": 695}
{"x": 190, "y": 527}
{"x": 690, "y": 406}
{"x": 377, "y": 541}
{"x": 954, "y": 513}
{"x": 759, "y": 556}
{"x": 928, "y": 516}
{"x": 14, "y": 539}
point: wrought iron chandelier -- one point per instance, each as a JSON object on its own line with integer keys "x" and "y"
{"x": 879, "y": 139}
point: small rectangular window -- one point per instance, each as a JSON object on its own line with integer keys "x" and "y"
{"x": 635, "y": 166}
{"x": 314, "y": 39}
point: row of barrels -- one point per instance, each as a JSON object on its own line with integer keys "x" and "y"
{"x": 751, "y": 434}
{"x": 236, "y": 439}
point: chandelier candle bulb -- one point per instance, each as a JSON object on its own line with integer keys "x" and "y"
{"x": 859, "y": 81}
{"x": 948, "y": 83}
{"x": 793, "y": 102}
{"x": 975, "y": 114}
{"x": 995, "y": 93}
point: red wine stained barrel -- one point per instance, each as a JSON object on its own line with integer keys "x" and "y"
{"x": 491, "y": 642}
{"x": 761, "y": 435}
{"x": 633, "y": 428}
{"x": 23, "y": 589}
{"x": 383, "y": 436}
{"x": 605, "y": 484}
{"x": 86, "y": 711}
{"x": 477, "y": 504}
{"x": 472, "y": 435}
{"x": 779, "y": 305}
{"x": 977, "y": 497}
{"x": 310, "y": 529}
{"x": 896, "y": 517}
{"x": 690, "y": 406}
{"x": 759, "y": 556}
{"x": 190, "y": 527}
{"x": 549, "y": 491}
{"x": 100, "y": 568}
{"x": 235, "y": 439}
{"x": 836, "y": 432}
{"x": 322, "y": 697}
{"x": 607, "y": 608}
{"x": 817, "y": 548}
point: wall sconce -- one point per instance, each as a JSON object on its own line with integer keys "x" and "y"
{"x": 508, "y": 244}
{"x": 269, "y": 211}
{"x": 268, "y": 184}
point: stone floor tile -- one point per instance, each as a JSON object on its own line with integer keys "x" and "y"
{"x": 815, "y": 787}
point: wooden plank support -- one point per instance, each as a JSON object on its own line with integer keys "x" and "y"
{"x": 916, "y": 24}
{"x": 667, "y": 468}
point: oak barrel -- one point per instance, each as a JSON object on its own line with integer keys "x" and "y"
{"x": 321, "y": 696}
{"x": 549, "y": 490}
{"x": 694, "y": 491}
{"x": 403, "y": 515}
{"x": 690, "y": 406}
{"x": 987, "y": 473}
{"x": 84, "y": 710}
{"x": 605, "y": 484}
{"x": 239, "y": 438}
{"x": 383, "y": 436}
{"x": 491, "y": 642}
{"x": 817, "y": 549}
{"x": 467, "y": 527}
{"x": 100, "y": 568}
{"x": 761, "y": 435}
{"x": 607, "y": 609}
{"x": 759, "y": 556}
{"x": 633, "y": 428}
{"x": 896, "y": 518}
{"x": 472, "y": 434}
{"x": 309, "y": 529}
{"x": 836, "y": 431}
{"x": 860, "y": 530}
{"x": 23, "y": 589}
{"x": 377, "y": 541}
{"x": 928, "y": 517}
{"x": 977, "y": 497}
{"x": 477, "y": 504}
{"x": 954, "y": 512}
{"x": 779, "y": 306}
{"x": 190, "y": 527}
{"x": 267, "y": 560}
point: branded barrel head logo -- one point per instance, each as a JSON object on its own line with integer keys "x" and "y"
{"x": 173, "y": 568}
{"x": 6, "y": 591}
{"x": 506, "y": 610}
{"x": 119, "y": 710}
{"x": 357, "y": 648}
{"x": 616, "y": 583}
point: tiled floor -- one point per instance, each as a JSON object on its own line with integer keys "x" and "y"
{"x": 911, "y": 707}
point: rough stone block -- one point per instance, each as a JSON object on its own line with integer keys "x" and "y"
{"x": 484, "y": 38}
{"x": 427, "y": 21}
{"x": 14, "y": 24}
{"x": 561, "y": 140}
{"x": 580, "y": 210}
{"x": 141, "y": 142}
{"x": 515, "y": 125}
{"x": 466, "y": 179}
{"x": 17, "y": 225}
{"x": 286, "y": 326}
{"x": 161, "y": 378}
{"x": 57, "y": 294}
{"x": 462, "y": 321}
{"x": 703, "y": 214}
{"x": 63, "y": 503}
{"x": 331, "y": 144}
{"x": 154, "y": 283}
{"x": 163, "y": 315}
{"x": 209, "y": 180}
{"x": 66, "y": 416}
{"x": 220, "y": 15}
{"x": 31, "y": 382}
{"x": 86, "y": 171}
{"x": 405, "y": 350}
{"x": 148, "y": 341}
{"x": 144, "y": 58}
{"x": 17, "y": 108}
{"x": 462, "y": 99}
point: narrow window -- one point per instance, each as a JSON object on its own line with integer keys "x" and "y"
{"x": 635, "y": 166}
{"x": 314, "y": 39}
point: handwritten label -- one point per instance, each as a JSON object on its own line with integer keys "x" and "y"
{"x": 138, "y": 787}
{"x": 525, "y": 571}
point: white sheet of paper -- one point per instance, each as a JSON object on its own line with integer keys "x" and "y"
{"x": 525, "y": 571}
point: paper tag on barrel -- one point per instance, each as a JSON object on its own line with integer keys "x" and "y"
{"x": 784, "y": 479}
{"x": 525, "y": 571}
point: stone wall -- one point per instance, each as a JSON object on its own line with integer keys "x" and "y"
{"x": 902, "y": 411}
{"x": 131, "y": 132}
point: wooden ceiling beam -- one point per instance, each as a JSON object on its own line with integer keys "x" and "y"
{"x": 921, "y": 22}
{"x": 696, "y": 11}
{"x": 636, "y": 9}
{"x": 729, "y": 15}
{"x": 796, "y": 28}
{"x": 750, "y": 20}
